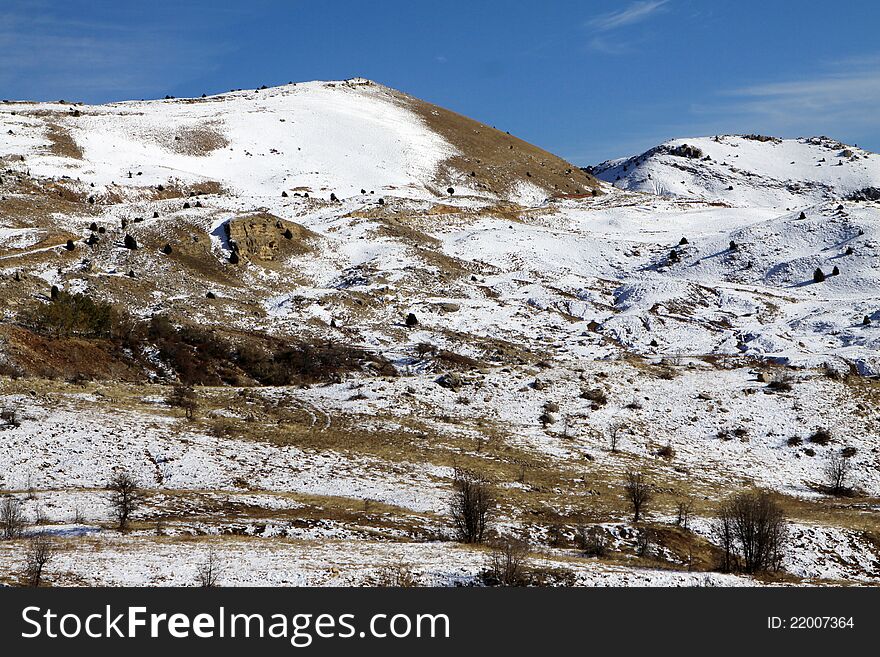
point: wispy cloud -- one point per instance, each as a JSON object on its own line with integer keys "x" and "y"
{"x": 635, "y": 13}
{"x": 78, "y": 59}
{"x": 844, "y": 98}
{"x": 606, "y": 29}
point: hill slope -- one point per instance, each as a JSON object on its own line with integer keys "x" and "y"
{"x": 349, "y": 357}
{"x": 748, "y": 171}
{"x": 316, "y": 137}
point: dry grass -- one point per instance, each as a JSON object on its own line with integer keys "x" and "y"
{"x": 496, "y": 159}
{"x": 197, "y": 141}
{"x": 62, "y": 143}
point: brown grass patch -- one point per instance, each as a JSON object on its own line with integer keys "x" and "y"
{"x": 62, "y": 143}
{"x": 497, "y": 160}
{"x": 198, "y": 141}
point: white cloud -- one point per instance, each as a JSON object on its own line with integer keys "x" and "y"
{"x": 635, "y": 13}
{"x": 841, "y": 100}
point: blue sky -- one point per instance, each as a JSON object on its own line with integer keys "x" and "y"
{"x": 585, "y": 79}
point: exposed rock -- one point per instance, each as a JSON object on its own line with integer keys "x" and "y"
{"x": 267, "y": 238}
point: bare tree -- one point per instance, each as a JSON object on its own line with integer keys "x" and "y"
{"x": 209, "y": 570}
{"x": 12, "y": 520}
{"x": 638, "y": 492}
{"x": 125, "y": 497}
{"x": 614, "y": 435}
{"x": 684, "y": 509}
{"x": 508, "y": 562}
{"x": 472, "y": 506}
{"x": 184, "y": 397}
{"x": 837, "y": 471}
{"x": 40, "y": 552}
{"x": 753, "y": 530}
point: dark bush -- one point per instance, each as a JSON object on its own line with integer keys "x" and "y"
{"x": 821, "y": 436}
{"x": 780, "y": 385}
{"x": 592, "y": 542}
{"x": 69, "y": 315}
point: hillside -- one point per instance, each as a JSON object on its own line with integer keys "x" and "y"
{"x": 298, "y": 372}
{"x": 749, "y": 171}
{"x": 351, "y": 138}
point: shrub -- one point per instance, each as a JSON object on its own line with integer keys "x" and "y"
{"x": 818, "y": 275}
{"x": 592, "y": 541}
{"x": 684, "y": 509}
{"x": 209, "y": 570}
{"x": 184, "y": 397}
{"x": 644, "y": 542}
{"x": 667, "y": 451}
{"x": 780, "y": 385}
{"x": 12, "y": 519}
{"x": 794, "y": 441}
{"x": 397, "y": 576}
{"x": 39, "y": 553}
{"x": 73, "y": 315}
{"x": 752, "y": 530}
{"x": 821, "y": 436}
{"x": 10, "y": 418}
{"x": 472, "y": 506}
{"x": 508, "y": 563}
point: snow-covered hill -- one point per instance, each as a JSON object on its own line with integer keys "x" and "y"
{"x": 347, "y": 138}
{"x": 356, "y": 330}
{"x": 749, "y": 171}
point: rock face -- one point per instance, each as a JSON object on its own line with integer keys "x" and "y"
{"x": 267, "y": 238}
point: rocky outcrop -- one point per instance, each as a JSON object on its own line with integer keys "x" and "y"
{"x": 266, "y": 238}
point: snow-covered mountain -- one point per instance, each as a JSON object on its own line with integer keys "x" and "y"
{"x": 368, "y": 292}
{"x": 749, "y": 171}
{"x": 346, "y": 138}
